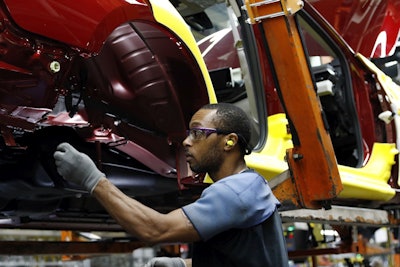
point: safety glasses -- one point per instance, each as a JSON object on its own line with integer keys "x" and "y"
{"x": 200, "y": 133}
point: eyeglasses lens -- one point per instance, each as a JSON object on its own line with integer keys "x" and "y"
{"x": 200, "y": 133}
{"x": 197, "y": 134}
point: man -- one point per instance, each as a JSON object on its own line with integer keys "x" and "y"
{"x": 235, "y": 221}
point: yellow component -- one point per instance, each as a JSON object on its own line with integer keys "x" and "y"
{"x": 368, "y": 182}
{"x": 167, "y": 15}
{"x": 271, "y": 160}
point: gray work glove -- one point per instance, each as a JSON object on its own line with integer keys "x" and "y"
{"x": 165, "y": 262}
{"x": 77, "y": 167}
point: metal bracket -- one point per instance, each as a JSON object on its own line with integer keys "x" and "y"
{"x": 269, "y": 9}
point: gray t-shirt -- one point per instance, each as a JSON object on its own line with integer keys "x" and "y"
{"x": 237, "y": 201}
{"x": 239, "y": 224}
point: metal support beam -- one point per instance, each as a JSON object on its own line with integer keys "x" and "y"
{"x": 340, "y": 215}
{"x": 68, "y": 248}
{"x": 329, "y": 251}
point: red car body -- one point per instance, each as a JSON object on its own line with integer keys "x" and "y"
{"x": 371, "y": 28}
{"x": 106, "y": 77}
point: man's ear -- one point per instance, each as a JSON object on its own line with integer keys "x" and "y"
{"x": 231, "y": 140}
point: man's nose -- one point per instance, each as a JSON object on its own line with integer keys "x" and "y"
{"x": 186, "y": 142}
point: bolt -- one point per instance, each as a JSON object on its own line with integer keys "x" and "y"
{"x": 297, "y": 156}
{"x": 55, "y": 66}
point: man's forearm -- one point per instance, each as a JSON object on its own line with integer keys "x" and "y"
{"x": 134, "y": 217}
{"x": 141, "y": 221}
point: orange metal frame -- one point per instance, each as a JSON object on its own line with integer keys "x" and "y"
{"x": 314, "y": 176}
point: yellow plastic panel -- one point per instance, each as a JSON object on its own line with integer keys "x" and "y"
{"x": 271, "y": 160}
{"x": 367, "y": 183}
{"x": 370, "y": 181}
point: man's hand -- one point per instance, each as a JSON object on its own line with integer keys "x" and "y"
{"x": 165, "y": 262}
{"x": 77, "y": 167}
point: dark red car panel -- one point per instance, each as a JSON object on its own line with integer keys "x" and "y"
{"x": 378, "y": 21}
{"x": 81, "y": 24}
{"x": 105, "y": 77}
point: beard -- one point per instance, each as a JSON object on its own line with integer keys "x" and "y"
{"x": 208, "y": 163}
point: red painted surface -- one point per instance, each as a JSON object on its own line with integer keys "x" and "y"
{"x": 78, "y": 23}
{"x": 370, "y": 27}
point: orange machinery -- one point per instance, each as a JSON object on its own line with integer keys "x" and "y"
{"x": 307, "y": 184}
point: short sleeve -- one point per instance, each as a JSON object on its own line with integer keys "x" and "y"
{"x": 238, "y": 201}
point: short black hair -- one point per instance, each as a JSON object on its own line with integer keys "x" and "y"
{"x": 230, "y": 118}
